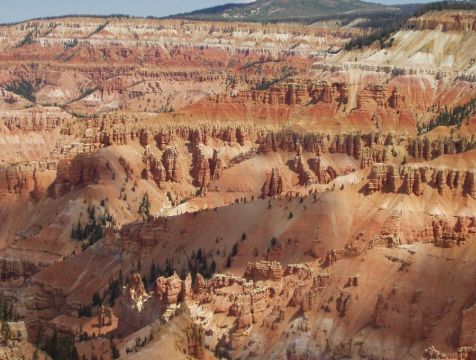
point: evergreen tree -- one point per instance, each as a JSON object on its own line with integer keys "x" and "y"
{"x": 115, "y": 354}
{"x": 96, "y": 299}
{"x": 234, "y": 250}
{"x": 144, "y": 207}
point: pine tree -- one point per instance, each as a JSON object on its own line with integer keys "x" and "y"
{"x": 115, "y": 354}
{"x": 74, "y": 353}
{"x": 96, "y": 299}
{"x": 234, "y": 250}
{"x": 144, "y": 207}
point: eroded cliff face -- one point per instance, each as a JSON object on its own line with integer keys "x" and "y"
{"x": 201, "y": 157}
{"x": 336, "y": 283}
{"x": 117, "y": 163}
{"x": 14, "y": 342}
{"x": 270, "y": 297}
{"x": 458, "y": 21}
{"x": 180, "y": 338}
{"x": 412, "y": 179}
{"x": 258, "y": 298}
{"x": 468, "y": 330}
{"x": 296, "y": 172}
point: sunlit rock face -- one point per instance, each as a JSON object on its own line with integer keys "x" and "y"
{"x": 197, "y": 189}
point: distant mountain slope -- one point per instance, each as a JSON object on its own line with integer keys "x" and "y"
{"x": 275, "y": 10}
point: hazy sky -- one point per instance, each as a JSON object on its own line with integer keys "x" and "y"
{"x": 17, "y": 10}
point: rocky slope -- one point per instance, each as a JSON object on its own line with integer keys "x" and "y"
{"x": 234, "y": 190}
{"x": 14, "y": 343}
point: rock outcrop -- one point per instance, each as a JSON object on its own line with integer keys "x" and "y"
{"x": 376, "y": 95}
{"x": 301, "y": 168}
{"x": 171, "y": 163}
{"x": 135, "y": 312}
{"x": 468, "y": 327}
{"x": 257, "y": 297}
{"x": 429, "y": 149}
{"x": 412, "y": 180}
{"x": 14, "y": 342}
{"x": 79, "y": 171}
{"x": 154, "y": 169}
{"x": 96, "y": 113}
{"x": 24, "y": 177}
{"x": 274, "y": 184}
{"x": 201, "y": 168}
{"x": 447, "y": 22}
{"x": 264, "y": 270}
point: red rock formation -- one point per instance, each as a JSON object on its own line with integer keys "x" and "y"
{"x": 249, "y": 302}
{"x": 448, "y": 22}
{"x": 154, "y": 169}
{"x": 286, "y": 94}
{"x": 136, "y": 239}
{"x": 428, "y": 149}
{"x": 24, "y": 177}
{"x": 380, "y": 312}
{"x": 463, "y": 353}
{"x": 378, "y": 177}
{"x": 264, "y": 270}
{"x": 372, "y": 155}
{"x": 391, "y": 233}
{"x": 169, "y": 291}
{"x": 301, "y": 168}
{"x": 274, "y": 184}
{"x": 344, "y": 301}
{"x": 172, "y": 167}
{"x": 329, "y": 93}
{"x": 197, "y": 75}
{"x": 395, "y": 101}
{"x": 81, "y": 170}
{"x": 412, "y": 182}
{"x": 374, "y": 96}
{"x": 447, "y": 235}
{"x": 216, "y": 165}
{"x": 145, "y": 137}
{"x": 470, "y": 184}
{"x": 468, "y": 327}
{"x": 134, "y": 306}
{"x": 408, "y": 179}
{"x": 324, "y": 174}
{"x": 195, "y": 342}
{"x": 35, "y": 119}
{"x": 201, "y": 167}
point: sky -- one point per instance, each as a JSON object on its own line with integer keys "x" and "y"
{"x": 18, "y": 10}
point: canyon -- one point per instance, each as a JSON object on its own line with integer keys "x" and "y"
{"x": 190, "y": 189}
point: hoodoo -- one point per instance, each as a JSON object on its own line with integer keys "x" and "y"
{"x": 275, "y": 180}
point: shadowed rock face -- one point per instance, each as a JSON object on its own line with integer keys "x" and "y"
{"x": 468, "y": 330}
{"x": 239, "y": 190}
{"x": 14, "y": 342}
{"x": 411, "y": 180}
